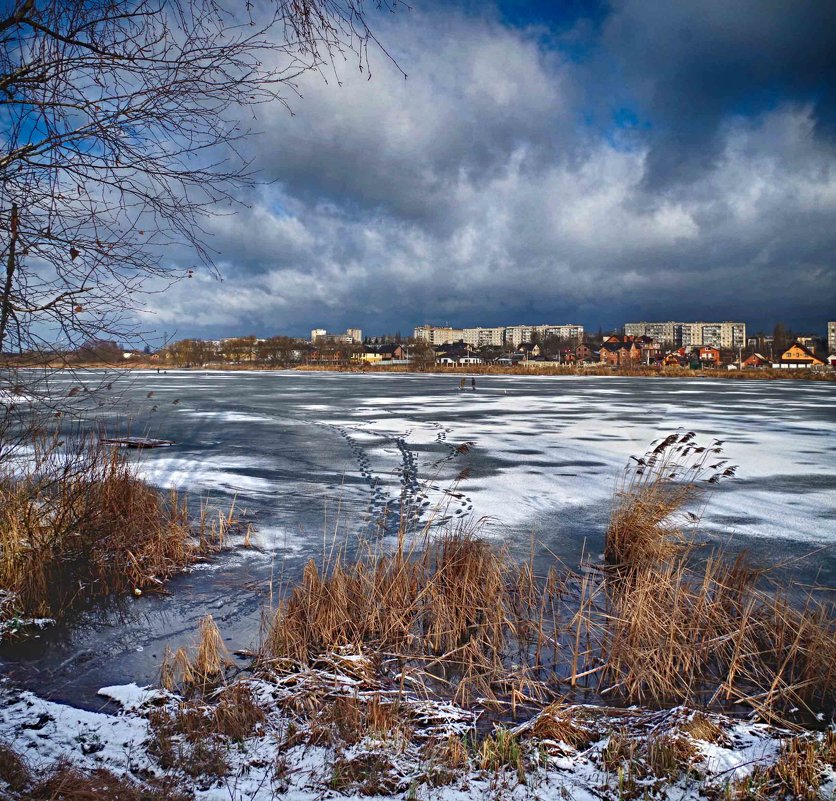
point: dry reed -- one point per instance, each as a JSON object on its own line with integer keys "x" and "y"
{"x": 657, "y": 626}
{"x": 76, "y": 523}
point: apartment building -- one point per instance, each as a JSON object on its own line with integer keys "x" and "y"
{"x": 831, "y": 337}
{"x": 484, "y": 337}
{"x": 497, "y": 336}
{"x": 437, "y": 335}
{"x": 352, "y": 336}
{"x": 725, "y": 335}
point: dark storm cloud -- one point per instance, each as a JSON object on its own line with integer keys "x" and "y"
{"x": 493, "y": 185}
{"x": 689, "y": 66}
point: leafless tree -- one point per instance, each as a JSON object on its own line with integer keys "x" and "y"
{"x": 120, "y": 122}
{"x": 120, "y": 128}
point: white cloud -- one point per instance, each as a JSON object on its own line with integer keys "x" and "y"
{"x": 473, "y": 191}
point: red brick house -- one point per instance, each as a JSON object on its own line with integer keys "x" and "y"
{"x": 583, "y": 353}
{"x": 618, "y": 353}
{"x": 755, "y": 361}
{"x": 708, "y": 354}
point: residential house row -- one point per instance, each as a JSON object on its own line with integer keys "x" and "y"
{"x": 616, "y": 350}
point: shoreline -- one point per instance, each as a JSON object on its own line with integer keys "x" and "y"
{"x": 469, "y": 370}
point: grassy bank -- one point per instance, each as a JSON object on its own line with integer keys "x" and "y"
{"x": 592, "y": 370}
{"x": 660, "y": 623}
{"x": 77, "y": 523}
{"x": 440, "y": 668}
{"x": 531, "y": 368}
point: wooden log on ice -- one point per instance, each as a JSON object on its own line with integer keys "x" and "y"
{"x": 138, "y": 442}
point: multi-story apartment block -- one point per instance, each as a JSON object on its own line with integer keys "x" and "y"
{"x": 831, "y": 337}
{"x": 725, "y": 335}
{"x": 517, "y": 334}
{"x": 438, "y": 335}
{"x": 484, "y": 337}
{"x": 352, "y": 336}
{"x": 497, "y": 336}
{"x": 573, "y": 332}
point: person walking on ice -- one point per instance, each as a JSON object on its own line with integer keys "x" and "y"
{"x": 473, "y": 383}
{"x": 461, "y": 385}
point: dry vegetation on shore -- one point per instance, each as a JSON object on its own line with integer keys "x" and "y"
{"x": 534, "y": 368}
{"x": 528, "y": 369}
{"x": 657, "y": 625}
{"x": 442, "y": 669}
{"x": 77, "y": 523}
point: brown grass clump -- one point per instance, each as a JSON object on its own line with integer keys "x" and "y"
{"x": 641, "y": 763}
{"x": 797, "y": 774}
{"x": 450, "y": 604}
{"x": 620, "y": 749}
{"x": 798, "y": 770}
{"x": 669, "y": 756}
{"x": 701, "y": 727}
{"x": 184, "y": 740}
{"x": 202, "y": 672}
{"x": 77, "y": 523}
{"x": 366, "y": 774}
{"x": 827, "y": 749}
{"x": 211, "y": 654}
{"x": 677, "y": 630}
{"x": 65, "y": 782}
{"x": 13, "y": 770}
{"x": 554, "y": 724}
{"x": 451, "y": 753}
{"x": 387, "y": 718}
{"x": 333, "y": 719}
{"x": 502, "y": 751}
{"x": 707, "y": 634}
{"x": 236, "y": 714}
{"x": 344, "y": 715}
{"x": 656, "y": 626}
{"x": 653, "y": 497}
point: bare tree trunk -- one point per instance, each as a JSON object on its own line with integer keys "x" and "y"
{"x": 6, "y": 298}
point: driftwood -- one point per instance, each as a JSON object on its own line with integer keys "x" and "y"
{"x": 138, "y": 442}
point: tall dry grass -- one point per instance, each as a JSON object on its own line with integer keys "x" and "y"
{"x": 659, "y": 497}
{"x": 680, "y": 628}
{"x": 76, "y": 522}
{"x": 660, "y": 623}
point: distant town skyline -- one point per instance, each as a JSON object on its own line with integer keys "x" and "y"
{"x": 598, "y": 163}
{"x": 824, "y": 329}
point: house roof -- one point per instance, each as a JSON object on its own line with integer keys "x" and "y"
{"x": 801, "y": 347}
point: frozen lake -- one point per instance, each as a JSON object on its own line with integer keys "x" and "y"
{"x": 314, "y": 456}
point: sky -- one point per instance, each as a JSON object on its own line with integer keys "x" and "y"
{"x": 575, "y": 162}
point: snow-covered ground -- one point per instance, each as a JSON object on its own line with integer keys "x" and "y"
{"x": 279, "y": 761}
